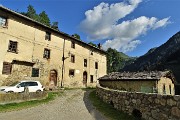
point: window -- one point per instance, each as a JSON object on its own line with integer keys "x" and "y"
{"x": 85, "y": 62}
{"x": 96, "y": 65}
{"x": 73, "y": 45}
{"x": 46, "y": 53}
{"x": 48, "y": 36}
{"x": 91, "y": 78}
{"x": 6, "y": 68}
{"x": 169, "y": 89}
{"x": 71, "y": 72}
{"x": 164, "y": 89}
{"x": 12, "y": 46}
{"x": 3, "y": 21}
{"x": 31, "y": 84}
{"x": 72, "y": 58}
{"x": 35, "y": 72}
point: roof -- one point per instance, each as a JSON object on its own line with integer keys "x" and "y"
{"x": 47, "y": 27}
{"x": 145, "y": 75}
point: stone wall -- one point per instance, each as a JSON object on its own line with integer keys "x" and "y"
{"x": 21, "y": 97}
{"x": 148, "y": 106}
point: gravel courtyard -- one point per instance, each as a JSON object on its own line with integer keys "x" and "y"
{"x": 73, "y": 105}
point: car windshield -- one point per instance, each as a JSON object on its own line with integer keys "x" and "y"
{"x": 15, "y": 83}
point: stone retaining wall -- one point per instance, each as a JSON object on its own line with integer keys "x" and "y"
{"x": 147, "y": 106}
{"x": 21, "y": 97}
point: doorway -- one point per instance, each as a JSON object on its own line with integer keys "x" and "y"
{"x": 53, "y": 79}
{"x": 85, "y": 78}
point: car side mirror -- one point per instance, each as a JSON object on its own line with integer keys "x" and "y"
{"x": 18, "y": 86}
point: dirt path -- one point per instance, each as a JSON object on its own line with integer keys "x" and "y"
{"x": 73, "y": 105}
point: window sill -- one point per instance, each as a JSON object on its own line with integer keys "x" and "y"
{"x": 12, "y": 51}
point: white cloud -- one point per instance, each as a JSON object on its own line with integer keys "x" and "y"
{"x": 102, "y": 23}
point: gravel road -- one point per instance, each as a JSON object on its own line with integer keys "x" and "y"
{"x": 73, "y": 105}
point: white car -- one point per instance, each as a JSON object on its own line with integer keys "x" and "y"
{"x": 30, "y": 85}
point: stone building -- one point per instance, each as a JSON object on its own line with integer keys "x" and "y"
{"x": 161, "y": 82}
{"x": 31, "y": 50}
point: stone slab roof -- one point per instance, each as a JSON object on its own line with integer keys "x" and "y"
{"x": 145, "y": 75}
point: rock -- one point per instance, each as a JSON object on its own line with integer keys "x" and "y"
{"x": 171, "y": 102}
{"x": 175, "y": 112}
{"x": 154, "y": 114}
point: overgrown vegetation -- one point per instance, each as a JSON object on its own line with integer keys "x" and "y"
{"x": 107, "y": 109}
{"x": 17, "y": 106}
{"x": 41, "y": 17}
{"x": 117, "y": 60}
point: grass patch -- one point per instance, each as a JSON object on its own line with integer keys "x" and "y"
{"x": 107, "y": 109}
{"x": 27, "y": 104}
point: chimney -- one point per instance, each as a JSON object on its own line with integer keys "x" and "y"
{"x": 99, "y": 46}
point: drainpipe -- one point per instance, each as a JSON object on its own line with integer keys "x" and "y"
{"x": 63, "y": 65}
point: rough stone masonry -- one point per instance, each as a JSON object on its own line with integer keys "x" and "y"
{"x": 151, "y": 106}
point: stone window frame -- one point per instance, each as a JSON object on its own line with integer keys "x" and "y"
{"x": 85, "y": 62}
{"x": 12, "y": 47}
{"x": 72, "y": 44}
{"x": 3, "y": 21}
{"x": 91, "y": 78}
{"x": 48, "y": 36}
{"x": 46, "y": 53}
{"x": 71, "y": 72}
{"x": 72, "y": 58}
{"x": 35, "y": 72}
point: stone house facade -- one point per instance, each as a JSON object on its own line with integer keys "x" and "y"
{"x": 161, "y": 82}
{"x": 31, "y": 50}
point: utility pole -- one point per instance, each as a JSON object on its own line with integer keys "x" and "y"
{"x": 63, "y": 65}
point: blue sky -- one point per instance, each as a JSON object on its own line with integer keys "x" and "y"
{"x": 130, "y": 26}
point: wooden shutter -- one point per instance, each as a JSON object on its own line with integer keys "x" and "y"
{"x": 6, "y": 68}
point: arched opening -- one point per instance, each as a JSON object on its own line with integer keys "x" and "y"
{"x": 53, "y": 79}
{"x": 137, "y": 114}
{"x": 85, "y": 78}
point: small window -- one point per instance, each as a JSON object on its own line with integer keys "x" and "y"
{"x": 91, "y": 78}
{"x": 164, "y": 89}
{"x": 12, "y": 46}
{"x": 96, "y": 65}
{"x": 3, "y": 21}
{"x": 6, "y": 68}
{"x": 169, "y": 89}
{"x": 91, "y": 52}
{"x": 35, "y": 72}
{"x": 85, "y": 62}
{"x": 72, "y": 58}
{"x": 46, "y": 53}
{"x": 73, "y": 45}
{"x": 71, "y": 72}
{"x": 48, "y": 36}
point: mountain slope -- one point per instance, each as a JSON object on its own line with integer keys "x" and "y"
{"x": 167, "y": 56}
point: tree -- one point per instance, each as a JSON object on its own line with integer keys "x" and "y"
{"x": 116, "y": 60}
{"x": 77, "y": 36}
{"x": 31, "y": 13}
{"x": 55, "y": 25}
{"x": 92, "y": 44}
{"x": 44, "y": 19}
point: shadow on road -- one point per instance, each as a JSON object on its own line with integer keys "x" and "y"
{"x": 92, "y": 110}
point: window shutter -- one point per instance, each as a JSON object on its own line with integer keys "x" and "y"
{"x": 6, "y": 68}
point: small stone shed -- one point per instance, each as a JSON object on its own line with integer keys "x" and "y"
{"x": 161, "y": 82}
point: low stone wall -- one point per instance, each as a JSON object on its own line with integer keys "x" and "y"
{"x": 147, "y": 106}
{"x": 21, "y": 97}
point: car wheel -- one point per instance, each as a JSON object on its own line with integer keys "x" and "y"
{"x": 38, "y": 91}
{"x": 10, "y": 92}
